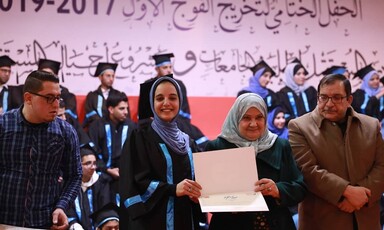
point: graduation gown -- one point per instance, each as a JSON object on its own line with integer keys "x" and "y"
{"x": 363, "y": 103}
{"x": 11, "y": 97}
{"x": 149, "y": 173}
{"x": 109, "y": 139}
{"x": 294, "y": 105}
{"x": 95, "y": 106}
{"x": 94, "y": 198}
{"x": 271, "y": 100}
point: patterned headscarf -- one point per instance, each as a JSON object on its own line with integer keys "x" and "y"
{"x": 254, "y": 84}
{"x": 289, "y": 75}
{"x": 365, "y": 86}
{"x": 168, "y": 131}
{"x": 230, "y": 129}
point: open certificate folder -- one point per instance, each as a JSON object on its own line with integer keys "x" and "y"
{"x": 227, "y": 178}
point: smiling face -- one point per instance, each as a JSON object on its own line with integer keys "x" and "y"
{"x": 265, "y": 79}
{"x": 279, "y": 121}
{"x": 166, "y": 101}
{"x": 38, "y": 109}
{"x": 252, "y": 124}
{"x": 374, "y": 81}
{"x": 299, "y": 77}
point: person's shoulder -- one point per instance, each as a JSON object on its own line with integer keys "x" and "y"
{"x": 92, "y": 93}
{"x": 365, "y": 119}
{"x": 219, "y": 143}
{"x": 311, "y": 89}
{"x": 285, "y": 89}
{"x": 303, "y": 120}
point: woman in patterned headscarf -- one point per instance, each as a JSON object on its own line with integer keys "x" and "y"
{"x": 281, "y": 182}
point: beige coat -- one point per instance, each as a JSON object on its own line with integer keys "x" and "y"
{"x": 329, "y": 162}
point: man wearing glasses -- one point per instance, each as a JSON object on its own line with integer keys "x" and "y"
{"x": 36, "y": 148}
{"x": 341, "y": 155}
{"x": 11, "y": 97}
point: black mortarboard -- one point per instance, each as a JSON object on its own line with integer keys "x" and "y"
{"x": 364, "y": 71}
{"x": 262, "y": 64}
{"x": 88, "y": 149}
{"x": 102, "y": 66}
{"x": 106, "y": 213}
{"x": 50, "y": 64}
{"x": 161, "y": 59}
{"x": 6, "y": 61}
{"x": 334, "y": 70}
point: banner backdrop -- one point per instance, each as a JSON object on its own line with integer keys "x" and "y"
{"x": 214, "y": 41}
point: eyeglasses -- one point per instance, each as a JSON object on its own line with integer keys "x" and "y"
{"x": 337, "y": 99}
{"x": 50, "y": 99}
{"x": 89, "y": 164}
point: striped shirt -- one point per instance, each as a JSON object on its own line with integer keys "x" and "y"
{"x": 32, "y": 159}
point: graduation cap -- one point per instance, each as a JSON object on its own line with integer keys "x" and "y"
{"x": 296, "y": 60}
{"x": 50, "y": 64}
{"x": 107, "y": 213}
{"x": 334, "y": 70}
{"x": 364, "y": 71}
{"x": 88, "y": 149}
{"x": 102, "y": 66}
{"x": 6, "y": 61}
{"x": 162, "y": 59}
{"x": 144, "y": 110}
{"x": 262, "y": 64}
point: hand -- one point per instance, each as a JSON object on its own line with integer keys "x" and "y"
{"x": 345, "y": 206}
{"x": 114, "y": 173}
{"x": 267, "y": 187}
{"x": 59, "y": 220}
{"x": 357, "y": 196}
{"x": 188, "y": 188}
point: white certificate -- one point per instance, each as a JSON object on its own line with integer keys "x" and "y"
{"x": 227, "y": 178}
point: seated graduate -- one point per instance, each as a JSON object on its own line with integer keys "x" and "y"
{"x": 262, "y": 74}
{"x": 95, "y": 101}
{"x": 281, "y": 182}
{"x": 94, "y": 193}
{"x": 277, "y": 124}
{"x": 297, "y": 97}
{"x": 11, "y": 96}
{"x": 369, "y": 99}
{"x": 157, "y": 186}
{"x": 106, "y": 218}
